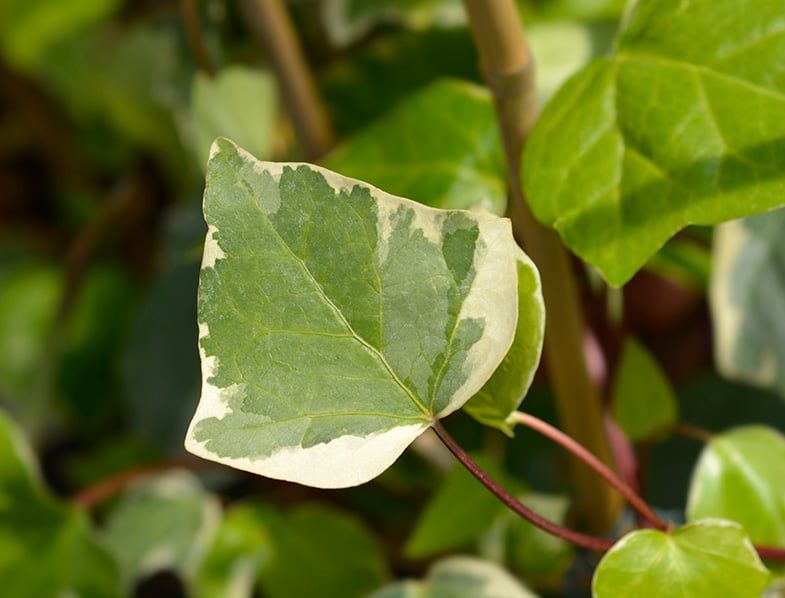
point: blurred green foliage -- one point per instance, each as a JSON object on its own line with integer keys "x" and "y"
{"x": 101, "y": 104}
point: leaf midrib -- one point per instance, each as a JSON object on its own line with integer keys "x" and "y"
{"x": 311, "y": 416}
{"x": 339, "y": 314}
{"x": 629, "y": 145}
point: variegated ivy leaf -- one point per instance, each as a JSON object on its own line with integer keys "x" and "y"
{"x": 338, "y": 321}
{"x": 459, "y": 577}
{"x": 747, "y": 293}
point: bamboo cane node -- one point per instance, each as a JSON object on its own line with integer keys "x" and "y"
{"x": 517, "y": 82}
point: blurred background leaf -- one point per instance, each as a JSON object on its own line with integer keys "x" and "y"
{"x": 100, "y": 240}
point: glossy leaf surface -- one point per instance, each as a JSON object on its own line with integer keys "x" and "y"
{"x": 337, "y": 321}
{"x": 548, "y": 41}
{"x": 741, "y": 476}
{"x": 669, "y": 131}
{"x": 706, "y": 558}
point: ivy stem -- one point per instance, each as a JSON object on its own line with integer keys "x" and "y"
{"x": 270, "y": 23}
{"x": 771, "y": 553}
{"x": 103, "y": 489}
{"x": 594, "y": 463}
{"x": 508, "y": 67}
{"x": 691, "y": 431}
{"x": 590, "y": 542}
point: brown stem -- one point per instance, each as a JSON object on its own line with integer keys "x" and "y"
{"x": 590, "y": 542}
{"x": 269, "y": 21}
{"x": 81, "y": 250}
{"x": 771, "y": 553}
{"x": 576, "y": 538}
{"x": 690, "y": 431}
{"x": 193, "y": 30}
{"x": 92, "y": 495}
{"x": 124, "y": 219}
{"x": 508, "y": 68}
{"x": 598, "y": 466}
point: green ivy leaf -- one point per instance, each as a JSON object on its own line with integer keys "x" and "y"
{"x": 242, "y": 547}
{"x": 741, "y": 476}
{"x": 705, "y": 558}
{"x": 582, "y": 10}
{"x": 460, "y": 498}
{"x": 505, "y": 390}
{"x": 530, "y": 552}
{"x": 338, "y": 321}
{"x": 362, "y": 85}
{"x": 747, "y": 293}
{"x": 459, "y": 577}
{"x": 643, "y": 400}
{"x": 46, "y": 547}
{"x": 323, "y": 552}
{"x": 683, "y": 261}
{"x": 667, "y": 132}
{"x": 238, "y": 102}
{"x": 166, "y": 523}
{"x": 548, "y": 41}
{"x": 416, "y": 151}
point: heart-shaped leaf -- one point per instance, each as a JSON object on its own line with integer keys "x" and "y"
{"x": 337, "y": 321}
{"x": 741, "y": 476}
{"x": 706, "y": 558}
{"x": 671, "y": 130}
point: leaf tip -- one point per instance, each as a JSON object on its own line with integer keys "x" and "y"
{"x": 221, "y": 144}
